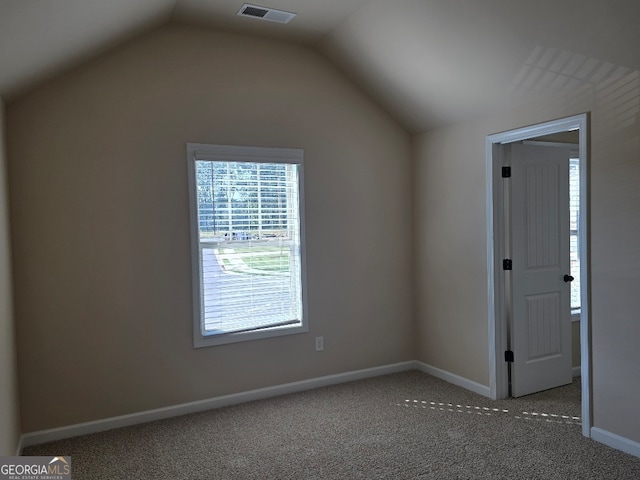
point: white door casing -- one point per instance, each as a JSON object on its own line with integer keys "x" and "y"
{"x": 541, "y": 297}
{"x": 496, "y": 301}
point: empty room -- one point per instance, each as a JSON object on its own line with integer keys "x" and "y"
{"x": 320, "y": 239}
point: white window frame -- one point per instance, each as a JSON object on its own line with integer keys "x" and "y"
{"x": 229, "y": 153}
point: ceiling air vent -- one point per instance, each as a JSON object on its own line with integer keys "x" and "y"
{"x": 264, "y": 13}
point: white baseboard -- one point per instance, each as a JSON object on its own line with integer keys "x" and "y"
{"x": 615, "y": 441}
{"x": 86, "y": 428}
{"x": 43, "y": 436}
{"x": 455, "y": 379}
{"x": 576, "y": 371}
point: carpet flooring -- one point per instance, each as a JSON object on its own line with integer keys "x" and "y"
{"x": 407, "y": 425}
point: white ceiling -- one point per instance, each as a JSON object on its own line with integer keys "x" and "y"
{"x": 428, "y": 62}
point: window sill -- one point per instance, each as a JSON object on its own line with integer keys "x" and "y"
{"x": 224, "y": 339}
{"x": 575, "y": 315}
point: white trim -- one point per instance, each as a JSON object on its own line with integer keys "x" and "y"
{"x": 525, "y": 133}
{"x": 34, "y": 438}
{"x": 615, "y": 441}
{"x": 43, "y": 436}
{"x": 201, "y": 151}
{"x": 454, "y": 379}
{"x": 498, "y": 381}
{"x": 498, "y": 371}
{"x": 585, "y": 279}
{"x": 492, "y": 276}
{"x": 576, "y": 371}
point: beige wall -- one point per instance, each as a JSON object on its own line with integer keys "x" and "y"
{"x": 100, "y": 222}
{"x": 451, "y": 238}
{"x": 9, "y": 415}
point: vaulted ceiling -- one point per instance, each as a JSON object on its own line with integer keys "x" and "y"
{"x": 428, "y": 62}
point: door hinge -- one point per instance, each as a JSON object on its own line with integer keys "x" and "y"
{"x": 506, "y": 172}
{"x": 507, "y": 264}
{"x": 508, "y": 356}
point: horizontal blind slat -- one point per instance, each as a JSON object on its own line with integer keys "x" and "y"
{"x": 245, "y": 284}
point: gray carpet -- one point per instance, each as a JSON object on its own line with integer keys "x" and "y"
{"x": 403, "y": 426}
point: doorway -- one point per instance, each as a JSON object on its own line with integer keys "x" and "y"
{"x": 496, "y": 246}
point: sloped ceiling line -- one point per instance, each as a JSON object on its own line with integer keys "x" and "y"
{"x": 427, "y": 62}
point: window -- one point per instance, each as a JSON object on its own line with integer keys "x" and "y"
{"x": 574, "y": 219}
{"x": 247, "y": 242}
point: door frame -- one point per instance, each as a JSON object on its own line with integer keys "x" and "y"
{"x": 498, "y": 325}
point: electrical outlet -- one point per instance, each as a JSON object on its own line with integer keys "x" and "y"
{"x": 319, "y": 344}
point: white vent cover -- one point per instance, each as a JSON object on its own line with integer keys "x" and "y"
{"x": 264, "y": 13}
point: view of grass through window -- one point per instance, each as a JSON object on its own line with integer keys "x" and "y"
{"x": 259, "y": 260}
{"x": 249, "y": 246}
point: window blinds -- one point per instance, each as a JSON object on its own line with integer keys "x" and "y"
{"x": 574, "y": 216}
{"x": 248, "y": 218}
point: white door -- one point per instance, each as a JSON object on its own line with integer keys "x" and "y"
{"x": 541, "y": 292}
